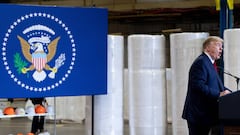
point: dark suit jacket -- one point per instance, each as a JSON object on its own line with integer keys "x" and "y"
{"x": 204, "y": 87}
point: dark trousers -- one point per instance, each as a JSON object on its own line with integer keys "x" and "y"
{"x": 37, "y": 124}
{"x": 198, "y": 129}
{"x": 38, "y": 121}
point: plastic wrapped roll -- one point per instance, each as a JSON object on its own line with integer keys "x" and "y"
{"x": 147, "y": 102}
{"x": 146, "y": 52}
{"x": 89, "y": 115}
{"x": 126, "y": 96}
{"x": 146, "y": 86}
{"x": 185, "y": 47}
{"x": 231, "y": 56}
{"x": 108, "y": 109}
{"x": 74, "y": 108}
{"x": 147, "y": 89}
{"x": 169, "y": 94}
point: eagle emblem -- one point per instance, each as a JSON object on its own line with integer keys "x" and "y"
{"x": 38, "y": 57}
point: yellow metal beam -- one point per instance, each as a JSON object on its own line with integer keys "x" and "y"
{"x": 230, "y": 4}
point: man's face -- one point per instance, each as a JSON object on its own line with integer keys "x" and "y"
{"x": 215, "y": 50}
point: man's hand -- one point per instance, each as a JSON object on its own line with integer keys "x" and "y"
{"x": 225, "y": 92}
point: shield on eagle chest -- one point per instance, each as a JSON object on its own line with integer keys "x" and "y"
{"x": 39, "y": 60}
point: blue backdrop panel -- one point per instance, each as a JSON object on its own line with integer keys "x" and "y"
{"x": 52, "y": 51}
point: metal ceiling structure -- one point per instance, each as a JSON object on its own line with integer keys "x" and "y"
{"x": 134, "y": 11}
{"x": 165, "y": 12}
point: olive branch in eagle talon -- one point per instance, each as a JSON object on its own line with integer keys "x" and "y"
{"x": 19, "y": 63}
{"x": 39, "y": 75}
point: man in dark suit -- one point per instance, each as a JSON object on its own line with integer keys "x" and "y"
{"x": 204, "y": 89}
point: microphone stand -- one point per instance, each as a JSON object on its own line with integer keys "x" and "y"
{"x": 237, "y": 78}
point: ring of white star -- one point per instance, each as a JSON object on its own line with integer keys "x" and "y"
{"x": 31, "y": 15}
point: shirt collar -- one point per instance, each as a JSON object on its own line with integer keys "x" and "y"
{"x": 210, "y": 58}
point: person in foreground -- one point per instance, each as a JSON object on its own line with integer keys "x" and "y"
{"x": 38, "y": 121}
{"x": 204, "y": 88}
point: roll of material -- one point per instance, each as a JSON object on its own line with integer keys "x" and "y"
{"x": 125, "y": 96}
{"x": 169, "y": 94}
{"x": 147, "y": 102}
{"x": 147, "y": 89}
{"x": 108, "y": 109}
{"x": 184, "y": 49}
{"x": 146, "y": 131}
{"x": 69, "y": 108}
{"x": 89, "y": 115}
{"x": 146, "y": 52}
{"x": 139, "y": 119}
{"x": 231, "y": 57}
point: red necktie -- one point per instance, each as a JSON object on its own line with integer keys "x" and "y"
{"x": 215, "y": 66}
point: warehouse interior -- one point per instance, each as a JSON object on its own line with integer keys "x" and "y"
{"x": 125, "y": 17}
{"x": 154, "y": 16}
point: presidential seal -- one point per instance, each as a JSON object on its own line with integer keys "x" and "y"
{"x": 40, "y": 59}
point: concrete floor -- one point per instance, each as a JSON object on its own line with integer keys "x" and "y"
{"x": 23, "y": 125}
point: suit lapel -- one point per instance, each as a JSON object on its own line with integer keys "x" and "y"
{"x": 213, "y": 71}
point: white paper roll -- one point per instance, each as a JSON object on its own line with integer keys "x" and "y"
{"x": 69, "y": 108}
{"x": 140, "y": 119}
{"x": 89, "y": 115}
{"x": 146, "y": 131}
{"x": 108, "y": 109}
{"x": 185, "y": 47}
{"x": 126, "y": 96}
{"x": 147, "y": 89}
{"x": 147, "y": 102}
{"x": 231, "y": 57}
{"x": 146, "y": 52}
{"x": 169, "y": 94}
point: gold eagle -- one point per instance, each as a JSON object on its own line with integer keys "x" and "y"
{"x": 39, "y": 74}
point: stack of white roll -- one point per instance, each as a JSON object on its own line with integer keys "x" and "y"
{"x": 184, "y": 48}
{"x": 89, "y": 115}
{"x": 125, "y": 95}
{"x": 231, "y": 57}
{"x": 74, "y": 108}
{"x": 147, "y": 90}
{"x": 169, "y": 94}
{"x": 108, "y": 109}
